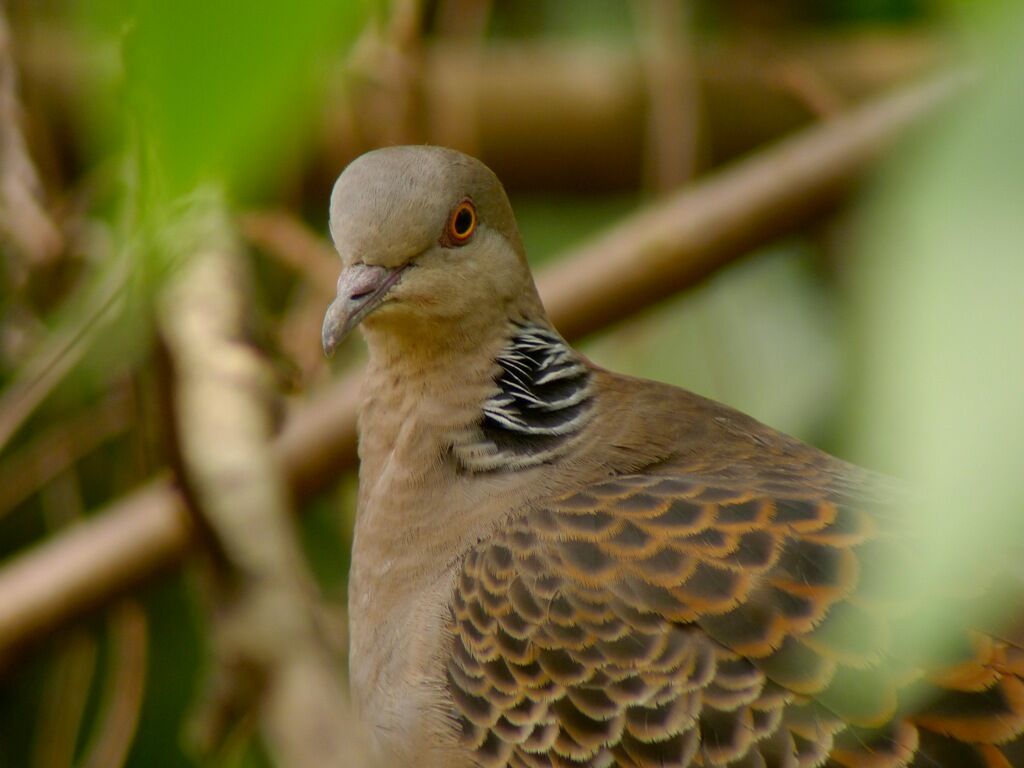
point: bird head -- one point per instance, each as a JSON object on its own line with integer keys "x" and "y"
{"x": 429, "y": 246}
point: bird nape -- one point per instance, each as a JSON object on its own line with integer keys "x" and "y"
{"x": 557, "y": 565}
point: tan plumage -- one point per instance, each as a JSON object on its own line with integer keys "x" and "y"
{"x": 555, "y": 565}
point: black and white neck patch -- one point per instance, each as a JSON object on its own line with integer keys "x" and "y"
{"x": 543, "y": 401}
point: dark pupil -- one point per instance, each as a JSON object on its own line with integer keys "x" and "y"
{"x": 463, "y": 221}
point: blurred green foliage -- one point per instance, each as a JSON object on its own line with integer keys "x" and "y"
{"x": 222, "y": 91}
{"x": 939, "y": 309}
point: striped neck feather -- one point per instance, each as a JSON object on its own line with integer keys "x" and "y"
{"x": 542, "y": 402}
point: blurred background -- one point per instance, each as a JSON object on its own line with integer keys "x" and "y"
{"x": 877, "y": 314}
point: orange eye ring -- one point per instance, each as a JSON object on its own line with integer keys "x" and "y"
{"x": 461, "y": 224}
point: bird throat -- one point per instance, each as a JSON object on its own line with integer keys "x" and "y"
{"x": 542, "y": 402}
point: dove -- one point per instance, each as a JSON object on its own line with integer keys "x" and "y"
{"x": 558, "y": 565}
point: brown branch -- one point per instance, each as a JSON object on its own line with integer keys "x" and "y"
{"x": 121, "y": 699}
{"x": 84, "y": 566}
{"x": 463, "y": 25}
{"x": 292, "y": 243}
{"x": 539, "y": 112}
{"x": 64, "y": 697}
{"x": 388, "y": 56}
{"x": 46, "y": 456}
{"x": 674, "y": 103}
{"x": 60, "y": 352}
{"x": 270, "y": 657}
{"x": 676, "y": 243}
{"x": 810, "y": 86}
{"x": 543, "y": 110}
{"x": 649, "y": 256}
{"x": 70, "y": 676}
{"x": 24, "y": 222}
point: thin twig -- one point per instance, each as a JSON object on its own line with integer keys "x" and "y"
{"x": 292, "y": 243}
{"x": 297, "y": 331}
{"x": 646, "y": 257}
{"x": 811, "y": 87}
{"x": 121, "y": 698}
{"x": 64, "y": 696}
{"x": 673, "y": 100}
{"x": 24, "y": 222}
{"x": 70, "y": 676}
{"x": 452, "y": 114}
{"x": 62, "y": 350}
{"x": 47, "y": 455}
{"x": 387, "y": 63}
{"x": 125, "y": 672}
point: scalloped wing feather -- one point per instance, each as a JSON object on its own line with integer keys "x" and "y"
{"x": 664, "y": 621}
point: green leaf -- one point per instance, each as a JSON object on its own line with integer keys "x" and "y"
{"x": 222, "y": 87}
{"x": 940, "y": 308}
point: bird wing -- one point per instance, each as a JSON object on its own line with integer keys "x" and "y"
{"x": 657, "y": 620}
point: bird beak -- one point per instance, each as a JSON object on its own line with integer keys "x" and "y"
{"x": 361, "y": 289}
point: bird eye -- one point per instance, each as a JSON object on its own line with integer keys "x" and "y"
{"x": 461, "y": 224}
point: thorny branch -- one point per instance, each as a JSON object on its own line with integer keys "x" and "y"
{"x": 646, "y": 257}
